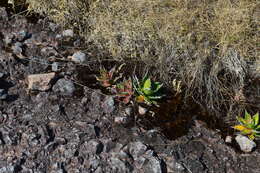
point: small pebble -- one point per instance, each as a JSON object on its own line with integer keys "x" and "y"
{"x": 142, "y": 110}
{"x": 68, "y": 33}
{"x": 22, "y": 35}
{"x": 78, "y": 57}
{"x": 1, "y": 75}
{"x": 228, "y": 139}
{"x": 17, "y": 48}
{"x": 54, "y": 66}
{"x": 53, "y": 26}
{"x": 3, "y": 94}
{"x": 64, "y": 87}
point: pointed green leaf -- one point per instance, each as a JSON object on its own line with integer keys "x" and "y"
{"x": 256, "y": 119}
{"x": 147, "y": 89}
{"x": 257, "y": 135}
{"x": 257, "y": 128}
{"x": 148, "y": 84}
{"x": 241, "y": 120}
{"x": 248, "y": 117}
{"x": 158, "y": 87}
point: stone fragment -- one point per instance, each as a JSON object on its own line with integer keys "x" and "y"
{"x": 245, "y": 144}
{"x": 55, "y": 66}
{"x": 48, "y": 51}
{"x": 1, "y": 75}
{"x": 3, "y": 94}
{"x": 136, "y": 149}
{"x": 95, "y": 146}
{"x": 122, "y": 120}
{"x": 78, "y": 57}
{"x": 68, "y": 33}
{"x": 53, "y": 26}
{"x": 108, "y": 104}
{"x": 3, "y": 14}
{"x": 228, "y": 139}
{"x": 142, "y": 110}
{"x": 40, "y": 82}
{"x": 64, "y": 87}
{"x": 22, "y": 35}
{"x": 8, "y": 39}
{"x": 119, "y": 165}
{"x": 154, "y": 165}
{"x": 17, "y": 48}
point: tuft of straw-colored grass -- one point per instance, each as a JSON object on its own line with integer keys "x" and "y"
{"x": 208, "y": 44}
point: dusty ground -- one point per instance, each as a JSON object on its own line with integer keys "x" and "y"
{"x": 84, "y": 130}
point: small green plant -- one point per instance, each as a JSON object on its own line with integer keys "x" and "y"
{"x": 109, "y": 78}
{"x": 147, "y": 90}
{"x": 124, "y": 91}
{"x": 249, "y": 125}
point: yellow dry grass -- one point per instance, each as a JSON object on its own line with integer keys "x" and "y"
{"x": 139, "y": 27}
{"x": 205, "y": 43}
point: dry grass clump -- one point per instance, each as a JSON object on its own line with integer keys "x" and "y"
{"x": 138, "y": 27}
{"x": 206, "y": 43}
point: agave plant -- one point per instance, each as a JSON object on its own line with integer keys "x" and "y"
{"x": 109, "y": 78}
{"x": 124, "y": 91}
{"x": 147, "y": 90}
{"x": 249, "y": 125}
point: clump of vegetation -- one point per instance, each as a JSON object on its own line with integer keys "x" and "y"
{"x": 147, "y": 90}
{"x": 109, "y": 78}
{"x": 124, "y": 91}
{"x": 208, "y": 45}
{"x": 249, "y": 125}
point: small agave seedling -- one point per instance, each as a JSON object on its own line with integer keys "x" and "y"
{"x": 109, "y": 78}
{"x": 124, "y": 91}
{"x": 249, "y": 125}
{"x": 147, "y": 90}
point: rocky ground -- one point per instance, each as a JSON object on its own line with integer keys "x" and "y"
{"x": 49, "y": 122}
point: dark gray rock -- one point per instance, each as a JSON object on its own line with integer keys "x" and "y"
{"x": 77, "y": 43}
{"x": 8, "y": 39}
{"x": 118, "y": 165}
{"x": 95, "y": 146}
{"x": 22, "y": 35}
{"x": 108, "y": 104}
{"x": 68, "y": 33}
{"x": 153, "y": 165}
{"x": 124, "y": 120}
{"x": 17, "y": 48}
{"x": 3, "y": 14}
{"x": 3, "y": 94}
{"x": 79, "y": 57}
{"x": 64, "y": 87}
{"x": 194, "y": 165}
{"x": 1, "y": 75}
{"x": 53, "y": 26}
{"x": 7, "y": 169}
{"x": 48, "y": 51}
{"x": 137, "y": 149}
{"x": 55, "y": 66}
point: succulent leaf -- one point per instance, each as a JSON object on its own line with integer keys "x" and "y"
{"x": 248, "y": 117}
{"x": 256, "y": 119}
{"x": 249, "y": 125}
{"x": 239, "y": 127}
{"x": 241, "y": 120}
